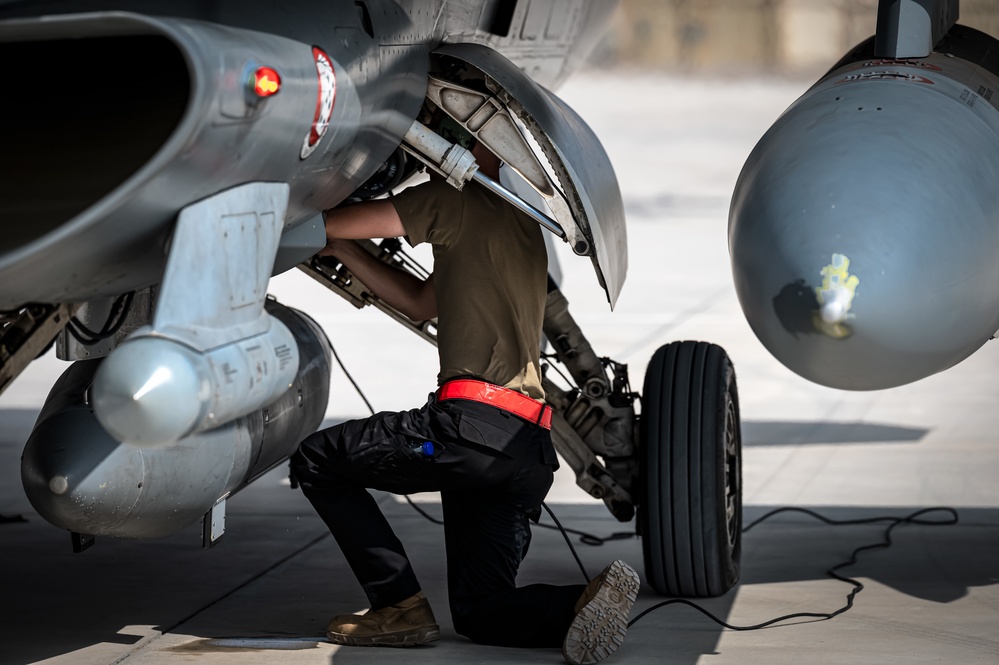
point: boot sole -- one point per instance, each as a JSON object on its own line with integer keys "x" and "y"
{"x": 599, "y": 627}
{"x": 402, "y": 638}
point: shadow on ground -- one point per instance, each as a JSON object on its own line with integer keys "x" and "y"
{"x": 795, "y": 433}
{"x": 276, "y": 579}
{"x": 277, "y": 576}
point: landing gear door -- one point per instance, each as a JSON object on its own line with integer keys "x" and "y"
{"x": 546, "y": 143}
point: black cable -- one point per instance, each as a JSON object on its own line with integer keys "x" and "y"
{"x": 423, "y": 512}
{"x": 86, "y": 341}
{"x": 116, "y": 319}
{"x": 372, "y": 410}
{"x": 857, "y": 586}
{"x": 910, "y": 519}
{"x": 566, "y": 536}
{"x": 590, "y": 539}
{"x": 885, "y": 543}
{"x": 349, "y": 377}
{"x": 339, "y": 362}
{"x": 584, "y": 537}
{"x": 552, "y": 356}
{"x": 246, "y": 583}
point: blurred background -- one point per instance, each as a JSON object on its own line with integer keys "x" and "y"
{"x": 793, "y": 38}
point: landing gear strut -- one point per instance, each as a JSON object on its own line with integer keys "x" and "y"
{"x": 679, "y": 468}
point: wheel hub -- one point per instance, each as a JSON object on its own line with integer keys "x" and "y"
{"x": 732, "y": 489}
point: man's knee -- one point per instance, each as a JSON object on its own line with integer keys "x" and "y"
{"x": 306, "y": 462}
{"x": 481, "y": 620}
{"x": 502, "y": 627}
{"x": 463, "y": 618}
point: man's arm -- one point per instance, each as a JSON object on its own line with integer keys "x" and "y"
{"x": 363, "y": 221}
{"x": 377, "y": 219}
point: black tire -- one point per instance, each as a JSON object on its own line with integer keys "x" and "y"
{"x": 690, "y": 510}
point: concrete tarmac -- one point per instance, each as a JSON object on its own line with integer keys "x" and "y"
{"x": 265, "y": 593}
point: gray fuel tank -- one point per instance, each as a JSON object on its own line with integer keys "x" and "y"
{"x": 77, "y": 476}
{"x": 865, "y": 224}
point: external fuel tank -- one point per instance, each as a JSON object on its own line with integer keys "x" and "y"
{"x": 77, "y": 476}
{"x": 865, "y": 224}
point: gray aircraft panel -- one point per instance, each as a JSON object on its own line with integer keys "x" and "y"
{"x": 222, "y": 140}
{"x": 594, "y": 198}
{"x": 105, "y": 208}
{"x": 158, "y": 116}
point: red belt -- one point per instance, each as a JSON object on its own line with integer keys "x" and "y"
{"x": 512, "y": 401}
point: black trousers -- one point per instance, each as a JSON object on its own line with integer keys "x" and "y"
{"x": 492, "y": 469}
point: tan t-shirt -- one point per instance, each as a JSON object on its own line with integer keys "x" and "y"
{"x": 490, "y": 279}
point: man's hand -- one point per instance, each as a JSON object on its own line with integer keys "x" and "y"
{"x": 339, "y": 248}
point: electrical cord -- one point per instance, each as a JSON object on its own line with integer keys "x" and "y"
{"x": 552, "y": 356}
{"x": 572, "y": 549}
{"x": 426, "y": 515}
{"x": 586, "y": 538}
{"x": 346, "y": 373}
{"x": 886, "y": 542}
{"x": 116, "y": 319}
{"x": 360, "y": 392}
{"x": 590, "y": 539}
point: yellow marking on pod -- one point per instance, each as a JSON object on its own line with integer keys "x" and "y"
{"x": 835, "y": 298}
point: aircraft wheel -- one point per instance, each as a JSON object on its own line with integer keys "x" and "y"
{"x": 690, "y": 510}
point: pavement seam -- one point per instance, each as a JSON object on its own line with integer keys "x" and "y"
{"x": 242, "y": 585}
{"x": 681, "y": 317}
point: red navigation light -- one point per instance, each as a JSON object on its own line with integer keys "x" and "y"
{"x": 266, "y": 81}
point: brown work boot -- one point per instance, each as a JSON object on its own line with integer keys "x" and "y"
{"x": 405, "y": 624}
{"x": 601, "y": 615}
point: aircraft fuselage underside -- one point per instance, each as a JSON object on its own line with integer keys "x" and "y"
{"x": 199, "y": 168}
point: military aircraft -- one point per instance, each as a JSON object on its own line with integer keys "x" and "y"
{"x": 864, "y": 225}
{"x": 165, "y": 159}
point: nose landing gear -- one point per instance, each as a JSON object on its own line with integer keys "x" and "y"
{"x": 679, "y": 469}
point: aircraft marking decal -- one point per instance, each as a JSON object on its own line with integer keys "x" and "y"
{"x": 901, "y": 63}
{"x": 885, "y": 76}
{"x": 324, "y": 101}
